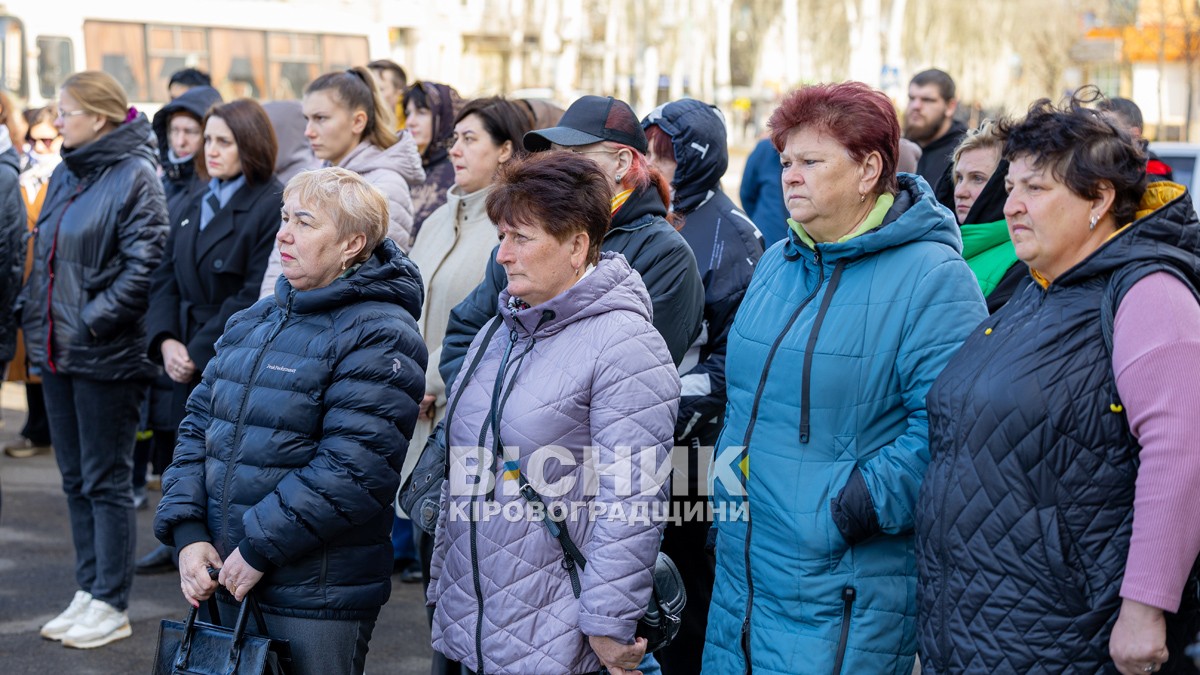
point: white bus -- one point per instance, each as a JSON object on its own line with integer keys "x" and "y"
{"x": 263, "y": 49}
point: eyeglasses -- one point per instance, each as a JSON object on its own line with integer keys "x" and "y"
{"x": 62, "y": 115}
{"x": 590, "y": 152}
{"x": 43, "y": 142}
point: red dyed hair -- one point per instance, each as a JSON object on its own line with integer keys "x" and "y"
{"x": 660, "y": 142}
{"x": 642, "y": 174}
{"x": 860, "y": 118}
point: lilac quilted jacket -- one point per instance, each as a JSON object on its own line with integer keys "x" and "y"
{"x": 590, "y": 397}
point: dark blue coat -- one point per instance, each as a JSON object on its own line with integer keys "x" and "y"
{"x": 726, "y": 245}
{"x": 12, "y": 250}
{"x": 762, "y": 192}
{"x": 292, "y": 447}
{"x": 1026, "y": 511}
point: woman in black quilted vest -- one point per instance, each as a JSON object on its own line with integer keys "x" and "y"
{"x": 1056, "y": 528}
{"x": 290, "y": 454}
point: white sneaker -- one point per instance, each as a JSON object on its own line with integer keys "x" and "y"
{"x": 57, "y": 627}
{"x": 99, "y": 625}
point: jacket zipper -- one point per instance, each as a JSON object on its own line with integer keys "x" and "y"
{"x": 806, "y": 377}
{"x": 847, "y": 605}
{"x": 237, "y": 433}
{"x": 762, "y": 383}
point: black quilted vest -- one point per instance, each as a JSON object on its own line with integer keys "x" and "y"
{"x": 1026, "y": 511}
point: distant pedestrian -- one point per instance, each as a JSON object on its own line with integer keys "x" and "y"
{"x": 392, "y": 82}
{"x": 929, "y": 122}
{"x": 304, "y": 416}
{"x": 1056, "y": 525}
{"x": 187, "y": 78}
{"x": 762, "y": 192}
{"x": 178, "y": 126}
{"x": 100, "y": 235}
{"x": 1128, "y": 116}
{"x": 295, "y": 153}
{"x": 12, "y": 234}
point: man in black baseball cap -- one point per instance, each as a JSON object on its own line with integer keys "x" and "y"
{"x": 592, "y": 119}
{"x": 608, "y": 132}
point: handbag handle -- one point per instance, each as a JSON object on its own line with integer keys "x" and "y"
{"x": 249, "y": 606}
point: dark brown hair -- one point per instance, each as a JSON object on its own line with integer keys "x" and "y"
{"x": 356, "y": 89}
{"x": 254, "y": 135}
{"x": 557, "y": 191}
{"x": 502, "y": 119}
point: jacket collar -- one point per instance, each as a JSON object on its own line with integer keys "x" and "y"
{"x": 387, "y": 276}
{"x": 638, "y": 211}
{"x": 130, "y": 138}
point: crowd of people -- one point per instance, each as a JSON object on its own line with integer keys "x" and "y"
{"x": 927, "y": 397}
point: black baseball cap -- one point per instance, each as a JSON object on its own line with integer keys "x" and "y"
{"x": 592, "y": 119}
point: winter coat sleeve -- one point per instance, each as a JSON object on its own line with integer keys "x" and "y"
{"x": 748, "y": 190}
{"x": 370, "y": 409}
{"x": 202, "y": 347}
{"x": 182, "y": 514}
{"x": 881, "y": 493}
{"x": 141, "y": 232}
{"x": 469, "y": 316}
{"x": 12, "y": 260}
{"x": 703, "y": 387}
{"x": 635, "y": 398}
{"x": 672, "y": 278}
{"x": 162, "y": 317}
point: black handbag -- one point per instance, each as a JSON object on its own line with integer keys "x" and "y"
{"x": 195, "y": 647}
{"x": 420, "y": 495}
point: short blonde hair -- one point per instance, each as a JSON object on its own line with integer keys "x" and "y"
{"x": 987, "y": 136}
{"x": 98, "y": 93}
{"x": 356, "y": 206}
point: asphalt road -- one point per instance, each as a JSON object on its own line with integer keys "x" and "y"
{"x": 37, "y": 582}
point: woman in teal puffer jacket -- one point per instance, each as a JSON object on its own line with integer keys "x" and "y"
{"x": 843, "y": 329}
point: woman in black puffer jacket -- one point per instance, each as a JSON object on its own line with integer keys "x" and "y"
{"x": 99, "y": 235}
{"x": 289, "y": 458}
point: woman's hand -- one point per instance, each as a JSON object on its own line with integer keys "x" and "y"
{"x": 237, "y": 576}
{"x": 427, "y": 407}
{"x": 1139, "y": 639}
{"x": 177, "y": 362}
{"x": 618, "y": 658}
{"x": 194, "y": 561}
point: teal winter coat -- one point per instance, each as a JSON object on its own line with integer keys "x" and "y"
{"x": 830, "y": 358}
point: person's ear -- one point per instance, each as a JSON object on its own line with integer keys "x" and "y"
{"x": 951, "y": 107}
{"x": 353, "y": 247}
{"x": 871, "y": 168}
{"x": 1102, "y": 204}
{"x": 358, "y": 121}
{"x": 624, "y": 161}
{"x": 506, "y": 152}
{"x": 580, "y": 243}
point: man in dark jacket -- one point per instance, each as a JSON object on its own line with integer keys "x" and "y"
{"x": 929, "y": 122}
{"x": 1128, "y": 116}
{"x": 178, "y": 127}
{"x": 639, "y": 231}
{"x": 688, "y": 144}
{"x": 762, "y": 192}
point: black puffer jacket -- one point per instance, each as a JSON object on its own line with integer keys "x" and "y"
{"x": 12, "y": 250}
{"x": 292, "y": 447}
{"x": 1026, "y": 511}
{"x": 180, "y": 181}
{"x": 641, "y": 233}
{"x": 726, "y": 244}
{"x": 101, "y": 232}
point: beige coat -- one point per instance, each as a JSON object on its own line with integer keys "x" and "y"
{"x": 452, "y": 251}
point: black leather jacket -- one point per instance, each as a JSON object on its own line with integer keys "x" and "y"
{"x": 99, "y": 236}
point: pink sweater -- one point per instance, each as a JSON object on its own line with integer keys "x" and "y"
{"x": 1156, "y": 357}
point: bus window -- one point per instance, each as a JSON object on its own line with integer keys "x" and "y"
{"x": 173, "y": 48}
{"x": 295, "y": 61}
{"x": 239, "y": 62}
{"x": 119, "y": 49}
{"x": 56, "y": 60}
{"x": 341, "y": 52}
{"x": 12, "y": 52}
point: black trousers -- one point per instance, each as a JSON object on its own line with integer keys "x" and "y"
{"x": 685, "y": 544}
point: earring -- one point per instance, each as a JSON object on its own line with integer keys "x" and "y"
{"x": 862, "y": 198}
{"x": 1092, "y": 223}
{"x": 618, "y": 178}
{"x": 343, "y": 265}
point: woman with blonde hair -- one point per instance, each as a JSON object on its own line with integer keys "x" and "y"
{"x": 304, "y": 415}
{"x": 99, "y": 236}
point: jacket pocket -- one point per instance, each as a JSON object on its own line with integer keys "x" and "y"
{"x": 848, "y": 595}
{"x": 1066, "y": 580}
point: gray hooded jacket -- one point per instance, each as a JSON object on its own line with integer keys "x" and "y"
{"x": 589, "y": 383}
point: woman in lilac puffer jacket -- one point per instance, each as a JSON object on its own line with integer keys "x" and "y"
{"x": 584, "y": 394}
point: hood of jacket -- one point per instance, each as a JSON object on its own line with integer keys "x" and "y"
{"x": 612, "y": 285}
{"x": 443, "y": 101}
{"x": 1166, "y": 231}
{"x": 402, "y": 159}
{"x": 915, "y": 216}
{"x": 295, "y": 152}
{"x": 699, "y": 138}
{"x": 989, "y": 205}
{"x": 387, "y": 276}
{"x": 131, "y": 138}
{"x": 195, "y": 102}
